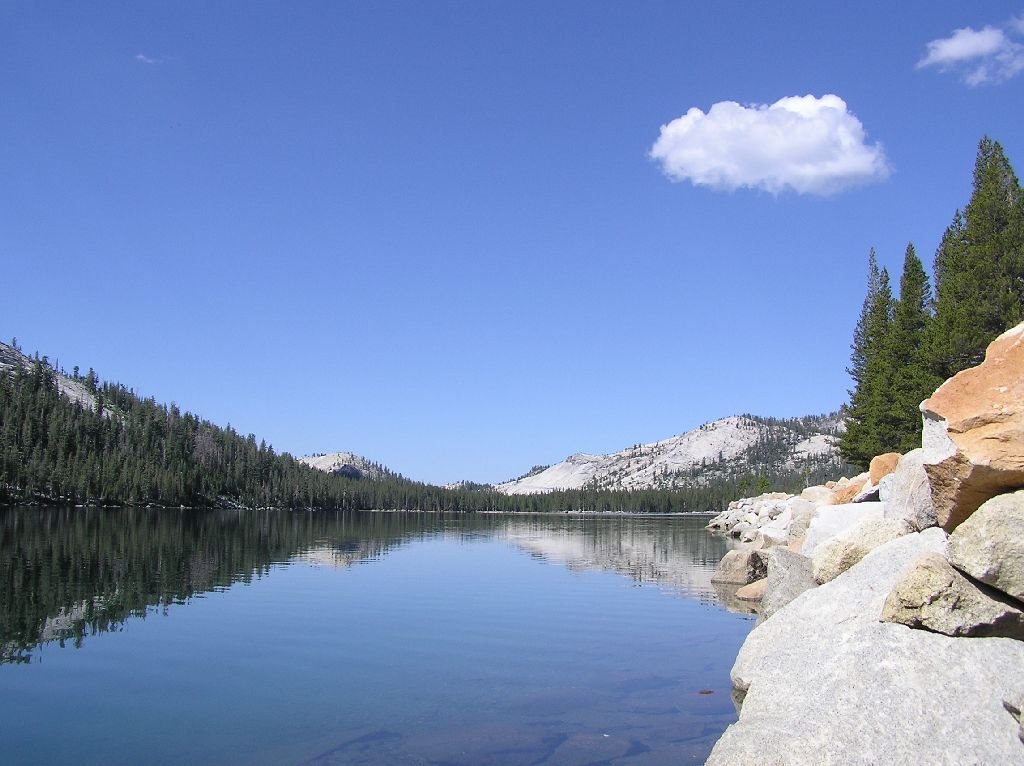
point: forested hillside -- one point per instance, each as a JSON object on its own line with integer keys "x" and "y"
{"x": 109, "y": 446}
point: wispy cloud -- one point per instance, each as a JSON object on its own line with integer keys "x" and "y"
{"x": 146, "y": 59}
{"x": 980, "y": 56}
{"x": 801, "y": 143}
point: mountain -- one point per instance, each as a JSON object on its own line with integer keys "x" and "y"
{"x": 743, "y": 445}
{"x": 347, "y": 464}
{"x": 74, "y": 439}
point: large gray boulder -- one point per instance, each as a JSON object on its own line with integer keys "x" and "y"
{"x": 906, "y": 492}
{"x": 934, "y": 596}
{"x": 830, "y": 520}
{"x": 739, "y": 567}
{"x": 835, "y": 556}
{"x": 789, "y": 575}
{"x": 826, "y": 683}
{"x": 989, "y": 546}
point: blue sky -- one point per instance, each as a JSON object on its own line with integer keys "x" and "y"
{"x": 434, "y": 232}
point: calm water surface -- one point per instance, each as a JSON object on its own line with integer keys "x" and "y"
{"x": 154, "y": 636}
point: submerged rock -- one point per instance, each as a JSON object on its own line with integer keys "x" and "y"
{"x": 726, "y": 595}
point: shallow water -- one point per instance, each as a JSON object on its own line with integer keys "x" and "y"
{"x": 159, "y": 636}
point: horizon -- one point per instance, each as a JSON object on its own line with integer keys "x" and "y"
{"x": 83, "y": 371}
{"x": 462, "y": 241}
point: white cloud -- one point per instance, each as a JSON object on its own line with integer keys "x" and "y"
{"x": 807, "y": 144}
{"x": 986, "y": 55}
{"x": 145, "y": 59}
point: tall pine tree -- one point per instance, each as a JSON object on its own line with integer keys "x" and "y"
{"x": 870, "y": 424}
{"x": 979, "y": 267}
{"x": 911, "y": 379}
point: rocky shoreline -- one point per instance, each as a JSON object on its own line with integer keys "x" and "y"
{"x": 891, "y": 604}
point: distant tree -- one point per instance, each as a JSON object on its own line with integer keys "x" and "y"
{"x": 870, "y": 427}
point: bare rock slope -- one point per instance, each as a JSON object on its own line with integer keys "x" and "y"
{"x": 73, "y": 388}
{"x": 347, "y": 464}
{"x": 735, "y": 443}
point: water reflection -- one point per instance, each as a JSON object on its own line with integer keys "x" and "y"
{"x": 670, "y": 552}
{"x": 68, "y": 573}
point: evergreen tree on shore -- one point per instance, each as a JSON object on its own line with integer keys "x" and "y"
{"x": 979, "y": 267}
{"x": 903, "y": 350}
{"x": 870, "y": 425}
{"x": 911, "y": 379}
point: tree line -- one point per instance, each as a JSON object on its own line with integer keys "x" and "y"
{"x": 904, "y": 347}
{"x": 122, "y": 449}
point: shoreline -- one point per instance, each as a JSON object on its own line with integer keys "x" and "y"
{"x": 560, "y": 514}
{"x": 891, "y": 604}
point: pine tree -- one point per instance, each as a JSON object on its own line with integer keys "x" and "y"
{"x": 870, "y": 426}
{"x": 979, "y": 267}
{"x": 912, "y": 381}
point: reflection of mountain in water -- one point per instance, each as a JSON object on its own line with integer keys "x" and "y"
{"x": 66, "y": 574}
{"x": 672, "y": 552}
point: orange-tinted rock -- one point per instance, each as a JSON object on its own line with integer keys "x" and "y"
{"x": 844, "y": 493}
{"x": 983, "y": 410}
{"x": 882, "y": 466}
{"x": 752, "y": 591}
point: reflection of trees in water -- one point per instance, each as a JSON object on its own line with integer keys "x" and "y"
{"x": 69, "y": 573}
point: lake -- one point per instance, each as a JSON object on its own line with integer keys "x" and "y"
{"x": 271, "y": 637}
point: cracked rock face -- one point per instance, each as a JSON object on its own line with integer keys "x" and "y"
{"x": 989, "y": 546}
{"x": 932, "y": 595}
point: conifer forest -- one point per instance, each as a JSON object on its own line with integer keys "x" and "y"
{"x": 905, "y": 346}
